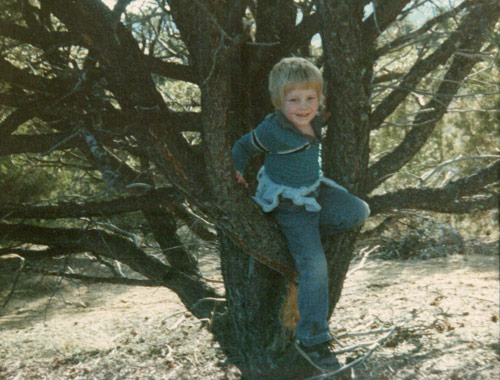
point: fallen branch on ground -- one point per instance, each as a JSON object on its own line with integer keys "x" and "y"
{"x": 96, "y": 279}
{"x": 365, "y": 252}
{"x": 372, "y": 346}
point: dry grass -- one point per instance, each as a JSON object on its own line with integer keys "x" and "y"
{"x": 54, "y": 329}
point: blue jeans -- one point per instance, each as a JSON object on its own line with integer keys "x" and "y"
{"x": 340, "y": 211}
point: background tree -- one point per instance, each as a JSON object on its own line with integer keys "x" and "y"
{"x": 117, "y": 126}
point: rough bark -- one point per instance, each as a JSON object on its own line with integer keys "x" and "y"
{"x": 461, "y": 196}
{"x": 384, "y": 13}
{"x": 254, "y": 293}
{"x": 149, "y": 201}
{"x": 345, "y": 156}
{"x": 189, "y": 288}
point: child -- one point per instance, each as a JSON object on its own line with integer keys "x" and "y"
{"x": 292, "y": 187}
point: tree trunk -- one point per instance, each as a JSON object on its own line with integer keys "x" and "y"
{"x": 250, "y": 331}
{"x": 259, "y": 326}
{"x": 255, "y": 295}
{"x": 347, "y": 71}
{"x": 252, "y": 328}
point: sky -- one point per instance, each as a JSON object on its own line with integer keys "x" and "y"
{"x": 417, "y": 16}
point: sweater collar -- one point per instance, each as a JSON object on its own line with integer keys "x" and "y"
{"x": 315, "y": 123}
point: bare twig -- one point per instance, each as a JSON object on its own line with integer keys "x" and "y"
{"x": 360, "y": 360}
{"x": 365, "y": 253}
{"x": 177, "y": 323}
{"x": 364, "y": 333}
{"x": 428, "y": 175}
{"x": 207, "y": 299}
{"x": 95, "y": 279}
{"x": 372, "y": 346}
{"x": 134, "y": 237}
{"x": 14, "y": 284}
{"x": 63, "y": 141}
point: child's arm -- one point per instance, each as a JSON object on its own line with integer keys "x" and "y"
{"x": 242, "y": 150}
{"x": 257, "y": 141}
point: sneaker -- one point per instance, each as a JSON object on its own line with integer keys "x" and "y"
{"x": 320, "y": 356}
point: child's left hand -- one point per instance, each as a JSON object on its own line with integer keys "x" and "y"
{"x": 240, "y": 180}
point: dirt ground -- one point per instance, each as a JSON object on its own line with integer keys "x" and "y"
{"x": 445, "y": 311}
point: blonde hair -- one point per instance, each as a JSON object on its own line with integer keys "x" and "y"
{"x": 292, "y": 73}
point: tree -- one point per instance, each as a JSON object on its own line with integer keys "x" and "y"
{"x": 94, "y": 89}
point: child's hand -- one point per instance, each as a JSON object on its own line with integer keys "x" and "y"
{"x": 240, "y": 180}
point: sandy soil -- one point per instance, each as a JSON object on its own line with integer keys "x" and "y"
{"x": 446, "y": 310}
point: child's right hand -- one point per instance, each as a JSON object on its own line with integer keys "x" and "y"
{"x": 240, "y": 180}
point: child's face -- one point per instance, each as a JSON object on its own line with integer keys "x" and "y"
{"x": 301, "y": 106}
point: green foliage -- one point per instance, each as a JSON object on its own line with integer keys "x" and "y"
{"x": 179, "y": 96}
{"x": 20, "y": 183}
{"x": 470, "y": 129}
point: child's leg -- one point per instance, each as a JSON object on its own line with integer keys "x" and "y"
{"x": 301, "y": 230}
{"x": 340, "y": 210}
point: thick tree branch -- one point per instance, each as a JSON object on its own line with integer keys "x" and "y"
{"x": 425, "y": 122}
{"x": 301, "y": 34}
{"x": 449, "y": 199}
{"x": 16, "y": 144}
{"x": 21, "y": 78}
{"x": 407, "y": 38}
{"x": 422, "y": 199}
{"x": 109, "y": 166}
{"x": 384, "y": 14}
{"x": 170, "y": 70}
{"x": 147, "y": 202}
{"x": 471, "y": 26}
{"x": 475, "y": 182}
{"x": 235, "y": 13}
{"x": 113, "y": 120}
{"x": 190, "y": 289}
{"x": 130, "y": 80}
{"x": 15, "y": 120}
{"x": 39, "y": 38}
{"x": 39, "y": 254}
{"x": 186, "y": 121}
{"x": 98, "y": 241}
{"x": 95, "y": 279}
{"x": 347, "y": 71}
{"x": 15, "y": 100}
{"x": 150, "y": 202}
{"x": 209, "y": 34}
{"x": 120, "y": 8}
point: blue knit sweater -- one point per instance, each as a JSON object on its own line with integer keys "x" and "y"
{"x": 292, "y": 165}
{"x": 291, "y": 157}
